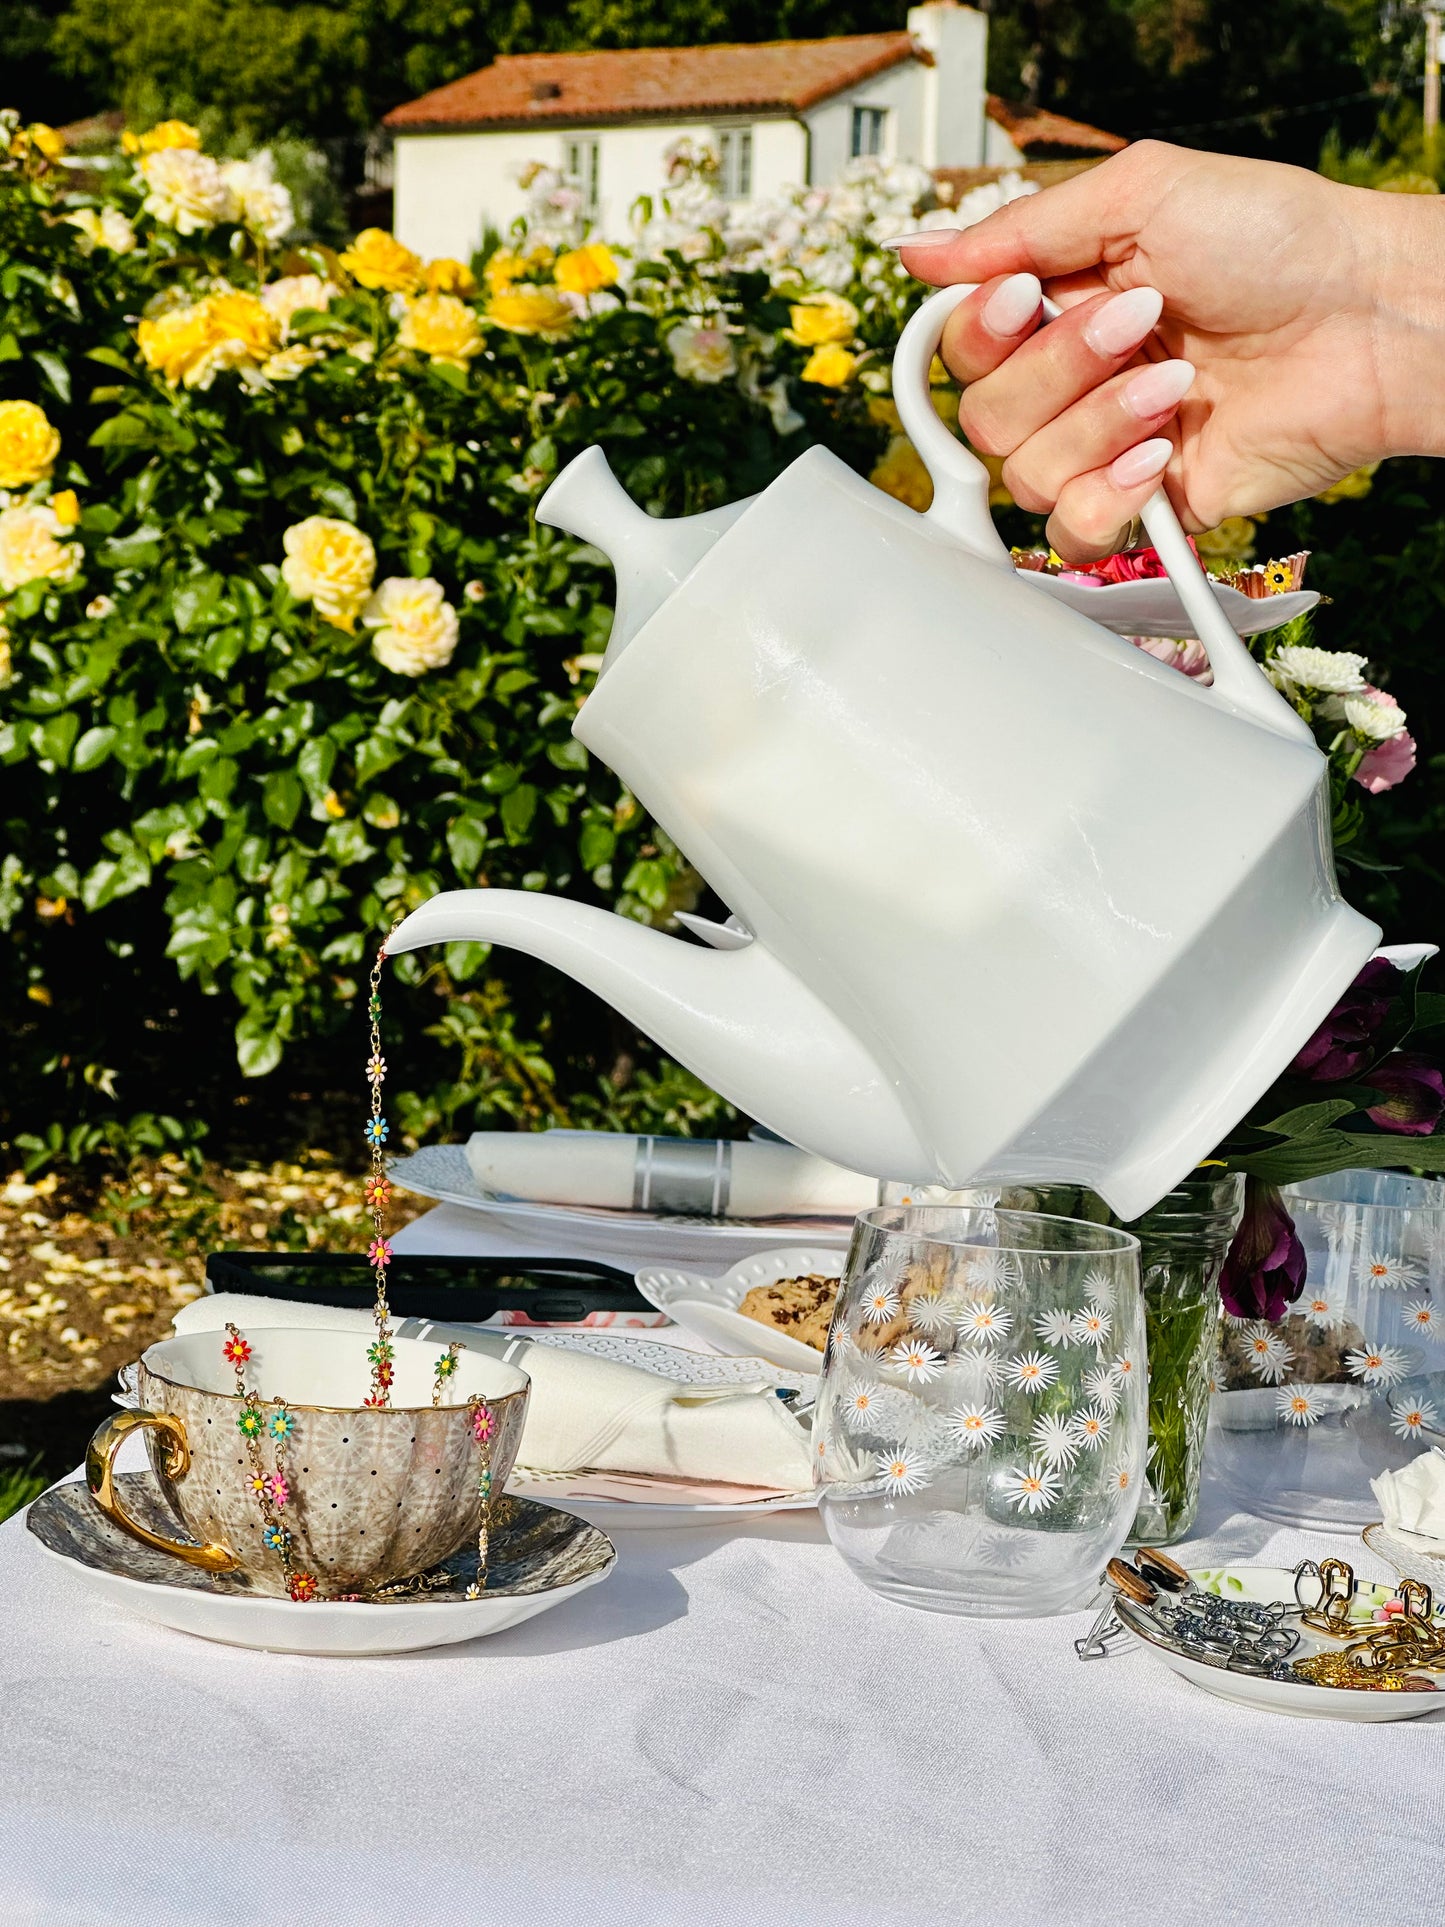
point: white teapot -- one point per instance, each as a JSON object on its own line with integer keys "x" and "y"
{"x": 1011, "y": 900}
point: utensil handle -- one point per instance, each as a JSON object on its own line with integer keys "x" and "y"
{"x": 100, "y": 1477}
{"x": 960, "y": 510}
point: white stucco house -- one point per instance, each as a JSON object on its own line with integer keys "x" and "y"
{"x": 777, "y": 113}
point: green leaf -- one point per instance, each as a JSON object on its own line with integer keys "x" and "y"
{"x": 93, "y": 748}
{"x": 314, "y": 766}
{"x": 55, "y": 371}
{"x": 1309, "y": 1120}
{"x": 519, "y": 806}
{"x": 281, "y": 798}
{"x": 259, "y": 1041}
{"x": 53, "y": 739}
{"x": 596, "y": 845}
{"x": 467, "y": 842}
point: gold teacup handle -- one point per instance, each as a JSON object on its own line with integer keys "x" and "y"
{"x": 100, "y": 1477}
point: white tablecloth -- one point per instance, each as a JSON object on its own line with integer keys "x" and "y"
{"x": 730, "y": 1730}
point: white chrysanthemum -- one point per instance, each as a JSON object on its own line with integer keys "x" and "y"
{"x": 1297, "y": 1404}
{"x": 1378, "y": 1364}
{"x": 1032, "y": 1491}
{"x": 1091, "y": 1427}
{"x": 185, "y": 190}
{"x": 1269, "y": 1356}
{"x": 1098, "y": 1287}
{"x": 1321, "y": 1310}
{"x": 1032, "y": 1372}
{"x": 860, "y": 1406}
{"x": 261, "y": 201}
{"x": 1055, "y": 1328}
{"x": 1121, "y": 1477}
{"x": 1053, "y": 1439}
{"x": 975, "y": 1425}
{"x": 918, "y": 1361}
{"x": 933, "y": 1313}
{"x": 1390, "y": 1272}
{"x": 1333, "y": 672}
{"x": 32, "y": 547}
{"x": 1410, "y": 1417}
{"x": 902, "y": 1470}
{"x": 1419, "y": 1315}
{"x": 982, "y": 1323}
{"x": 702, "y": 351}
{"x": 416, "y": 627}
{"x": 880, "y": 1302}
{"x": 994, "y": 1271}
{"x": 1104, "y": 1387}
{"x": 1368, "y": 716}
{"x": 975, "y": 1368}
{"x": 1093, "y": 1325}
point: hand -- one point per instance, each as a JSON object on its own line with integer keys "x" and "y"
{"x": 1310, "y": 316}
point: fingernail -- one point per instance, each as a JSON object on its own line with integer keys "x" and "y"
{"x": 1013, "y": 304}
{"x": 1141, "y": 464}
{"x": 927, "y": 237}
{"x": 1121, "y": 324}
{"x": 1158, "y": 388}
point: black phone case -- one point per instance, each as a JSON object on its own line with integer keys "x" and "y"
{"x": 560, "y": 1291}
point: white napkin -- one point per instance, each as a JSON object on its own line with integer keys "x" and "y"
{"x": 584, "y": 1411}
{"x": 601, "y": 1169}
{"x": 1413, "y": 1499}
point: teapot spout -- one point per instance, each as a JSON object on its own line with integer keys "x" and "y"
{"x": 650, "y": 554}
{"x": 738, "y": 1019}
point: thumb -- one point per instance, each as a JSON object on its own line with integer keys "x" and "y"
{"x": 1089, "y": 221}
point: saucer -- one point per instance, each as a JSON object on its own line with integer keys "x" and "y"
{"x": 539, "y": 1557}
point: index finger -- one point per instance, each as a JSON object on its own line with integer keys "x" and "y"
{"x": 983, "y": 331}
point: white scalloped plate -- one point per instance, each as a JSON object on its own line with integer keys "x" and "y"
{"x": 708, "y": 1307}
{"x": 1153, "y": 608}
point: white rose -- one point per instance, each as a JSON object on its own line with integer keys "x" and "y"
{"x": 263, "y": 204}
{"x": 103, "y": 228}
{"x": 293, "y": 292}
{"x": 701, "y": 351}
{"x": 185, "y": 190}
{"x": 416, "y": 627}
{"x": 1335, "y": 671}
{"x": 31, "y": 547}
{"x": 1374, "y": 716}
{"x": 99, "y": 607}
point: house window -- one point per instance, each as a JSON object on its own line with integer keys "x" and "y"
{"x": 868, "y": 130}
{"x": 584, "y": 165}
{"x": 735, "y": 163}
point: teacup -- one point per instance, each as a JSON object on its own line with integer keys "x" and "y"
{"x": 377, "y": 1495}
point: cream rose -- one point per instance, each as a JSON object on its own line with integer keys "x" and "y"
{"x": 416, "y": 627}
{"x": 701, "y": 351}
{"x": 330, "y": 564}
{"x": 185, "y": 190}
{"x": 285, "y": 298}
{"x": 103, "y": 228}
{"x": 31, "y": 547}
{"x": 261, "y": 201}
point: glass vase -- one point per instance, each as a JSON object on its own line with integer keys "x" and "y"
{"x": 1350, "y": 1382}
{"x": 980, "y": 1416}
{"x": 1183, "y": 1242}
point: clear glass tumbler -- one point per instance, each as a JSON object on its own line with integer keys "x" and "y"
{"x": 980, "y": 1422}
{"x": 1350, "y": 1383}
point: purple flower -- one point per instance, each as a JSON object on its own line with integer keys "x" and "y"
{"x": 1414, "y": 1095}
{"x": 1265, "y": 1269}
{"x": 1345, "y": 1041}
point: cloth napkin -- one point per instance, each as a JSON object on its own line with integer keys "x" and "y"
{"x": 709, "y": 1176}
{"x": 1413, "y": 1499}
{"x": 584, "y": 1411}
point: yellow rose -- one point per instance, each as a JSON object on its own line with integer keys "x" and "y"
{"x": 224, "y": 329}
{"x": 185, "y": 190}
{"x": 441, "y": 326}
{"x": 29, "y": 444}
{"x": 51, "y": 144}
{"x": 378, "y": 260}
{"x": 1233, "y": 540}
{"x": 829, "y": 366}
{"x": 883, "y": 410}
{"x": 822, "y": 318}
{"x": 445, "y": 276}
{"x": 1349, "y": 488}
{"x": 165, "y": 133}
{"x": 31, "y": 547}
{"x": 585, "y": 270}
{"x": 66, "y": 505}
{"x": 416, "y": 627}
{"x": 901, "y": 474}
{"x": 502, "y": 269}
{"x": 530, "y": 311}
{"x": 331, "y": 565}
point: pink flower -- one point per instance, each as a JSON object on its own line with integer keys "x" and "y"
{"x": 378, "y": 1253}
{"x": 483, "y": 1423}
{"x": 1188, "y": 657}
{"x": 1388, "y": 763}
{"x": 278, "y": 1488}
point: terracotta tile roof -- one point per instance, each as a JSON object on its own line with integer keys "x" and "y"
{"x": 650, "y": 83}
{"x": 1030, "y": 127}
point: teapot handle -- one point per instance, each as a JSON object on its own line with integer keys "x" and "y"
{"x": 960, "y": 510}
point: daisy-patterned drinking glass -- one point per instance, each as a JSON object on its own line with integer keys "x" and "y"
{"x": 979, "y": 1430}
{"x": 1309, "y": 1408}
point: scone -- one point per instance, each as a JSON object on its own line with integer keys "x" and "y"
{"x": 801, "y": 1307}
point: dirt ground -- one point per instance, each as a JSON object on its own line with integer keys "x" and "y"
{"x": 89, "y": 1279}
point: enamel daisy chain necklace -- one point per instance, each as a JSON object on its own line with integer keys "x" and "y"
{"x": 273, "y": 1490}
